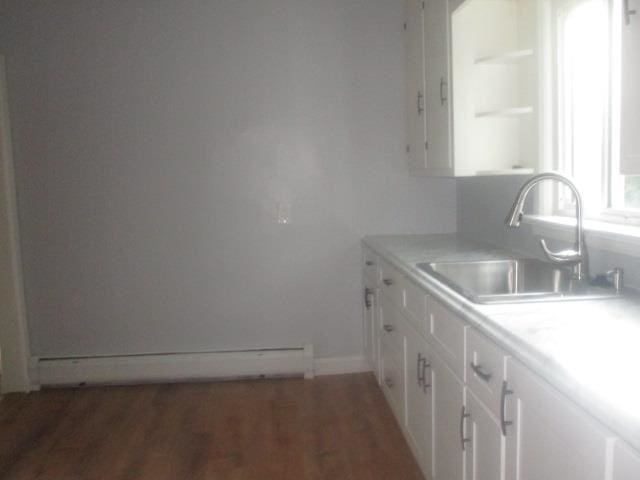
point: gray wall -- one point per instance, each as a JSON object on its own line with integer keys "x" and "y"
{"x": 483, "y": 203}
{"x": 152, "y": 140}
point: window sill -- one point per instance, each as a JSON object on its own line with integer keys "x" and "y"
{"x": 613, "y": 237}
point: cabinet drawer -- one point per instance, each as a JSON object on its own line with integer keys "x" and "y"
{"x": 485, "y": 370}
{"x": 393, "y": 386}
{"x": 370, "y": 264}
{"x": 447, "y": 336}
{"x": 391, "y": 283}
{"x": 391, "y": 336}
{"x": 415, "y": 306}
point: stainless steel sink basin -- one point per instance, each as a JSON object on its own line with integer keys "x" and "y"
{"x": 513, "y": 280}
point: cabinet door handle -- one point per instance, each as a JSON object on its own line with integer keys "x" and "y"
{"x": 477, "y": 369}
{"x": 388, "y": 328}
{"x": 443, "y": 97}
{"x": 628, "y": 12}
{"x": 387, "y": 281}
{"x": 425, "y": 365}
{"x": 369, "y": 263}
{"x": 504, "y": 423}
{"x": 420, "y": 103}
{"x": 463, "y": 440}
{"x": 367, "y": 294}
{"x": 388, "y": 382}
{"x": 419, "y": 370}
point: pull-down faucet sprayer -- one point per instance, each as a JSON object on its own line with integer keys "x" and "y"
{"x": 577, "y": 256}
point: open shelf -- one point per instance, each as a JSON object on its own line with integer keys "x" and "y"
{"x": 505, "y": 112}
{"x": 505, "y": 58}
{"x": 507, "y": 171}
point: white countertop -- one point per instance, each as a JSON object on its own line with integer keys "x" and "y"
{"x": 587, "y": 349}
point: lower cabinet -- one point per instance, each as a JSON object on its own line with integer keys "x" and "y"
{"x": 370, "y": 330}
{"x": 392, "y": 356}
{"x": 393, "y": 385}
{"x": 485, "y": 458}
{"x": 419, "y": 399}
{"x": 471, "y": 412}
{"x": 450, "y": 429}
{"x": 548, "y": 438}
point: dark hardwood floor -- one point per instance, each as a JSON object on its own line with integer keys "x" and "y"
{"x": 334, "y": 427}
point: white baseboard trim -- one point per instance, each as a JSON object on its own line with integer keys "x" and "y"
{"x": 180, "y": 367}
{"x": 341, "y": 365}
{"x": 172, "y": 367}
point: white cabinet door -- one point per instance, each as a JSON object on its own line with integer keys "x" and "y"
{"x": 549, "y": 437}
{"x": 415, "y": 103}
{"x": 626, "y": 463}
{"x": 630, "y": 101}
{"x": 392, "y": 356}
{"x": 369, "y": 307}
{"x": 449, "y": 425}
{"x": 486, "y": 462}
{"x": 419, "y": 404}
{"x": 436, "y": 45}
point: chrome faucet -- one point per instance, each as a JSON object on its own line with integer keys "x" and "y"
{"x": 575, "y": 257}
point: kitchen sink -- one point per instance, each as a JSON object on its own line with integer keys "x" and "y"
{"x": 514, "y": 280}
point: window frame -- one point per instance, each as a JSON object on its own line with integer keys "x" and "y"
{"x": 611, "y": 183}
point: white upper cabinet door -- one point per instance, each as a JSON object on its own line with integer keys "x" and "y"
{"x": 487, "y": 443}
{"x": 549, "y": 438}
{"x": 419, "y": 400}
{"x": 415, "y": 103}
{"x": 626, "y": 463}
{"x": 450, "y": 429}
{"x": 630, "y": 95}
{"x": 436, "y": 46}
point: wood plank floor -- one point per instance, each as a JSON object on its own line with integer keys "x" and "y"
{"x": 333, "y": 427}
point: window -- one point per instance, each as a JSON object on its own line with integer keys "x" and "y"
{"x": 595, "y": 141}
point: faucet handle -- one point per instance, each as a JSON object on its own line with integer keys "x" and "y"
{"x": 616, "y": 277}
{"x": 563, "y": 256}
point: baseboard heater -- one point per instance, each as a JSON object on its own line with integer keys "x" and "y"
{"x": 173, "y": 367}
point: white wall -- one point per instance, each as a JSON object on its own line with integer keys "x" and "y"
{"x": 152, "y": 140}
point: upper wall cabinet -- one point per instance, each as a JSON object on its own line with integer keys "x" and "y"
{"x": 474, "y": 91}
{"x": 630, "y": 94}
{"x": 428, "y": 88}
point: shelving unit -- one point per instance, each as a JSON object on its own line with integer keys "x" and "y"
{"x": 496, "y": 93}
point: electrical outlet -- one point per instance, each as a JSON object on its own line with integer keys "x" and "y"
{"x": 284, "y": 213}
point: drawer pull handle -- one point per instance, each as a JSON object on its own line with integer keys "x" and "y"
{"x": 420, "y": 370}
{"x": 463, "y": 440}
{"x": 387, "y": 281}
{"x": 389, "y": 328}
{"x": 504, "y": 423}
{"x": 477, "y": 369}
{"x": 388, "y": 382}
{"x": 369, "y": 263}
{"x": 367, "y": 301}
{"x": 443, "y": 96}
{"x": 425, "y": 365}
